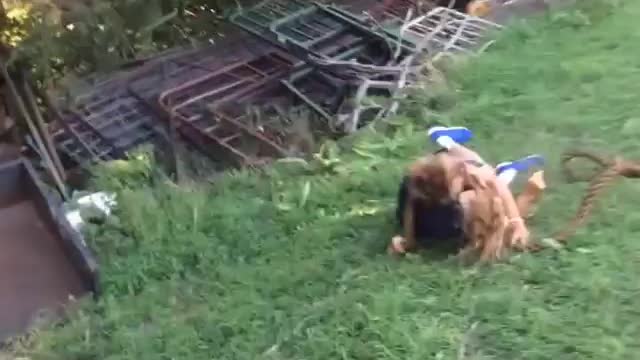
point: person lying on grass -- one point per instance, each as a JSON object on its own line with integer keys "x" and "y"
{"x": 454, "y": 193}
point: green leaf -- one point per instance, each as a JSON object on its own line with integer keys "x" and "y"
{"x": 306, "y": 190}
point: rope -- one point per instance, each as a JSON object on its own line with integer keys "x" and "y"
{"x": 611, "y": 169}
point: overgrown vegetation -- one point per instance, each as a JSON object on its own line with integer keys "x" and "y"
{"x": 60, "y": 37}
{"x": 290, "y": 264}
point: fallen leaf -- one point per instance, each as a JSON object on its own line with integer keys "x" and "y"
{"x": 552, "y": 243}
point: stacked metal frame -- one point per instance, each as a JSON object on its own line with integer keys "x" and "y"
{"x": 166, "y": 72}
{"x": 445, "y": 30}
{"x": 103, "y": 124}
{"x": 192, "y": 106}
{"x": 321, "y": 92}
{"x": 118, "y": 114}
{"x": 113, "y": 115}
{"x": 316, "y": 29}
{"x": 305, "y": 57}
{"x": 258, "y": 18}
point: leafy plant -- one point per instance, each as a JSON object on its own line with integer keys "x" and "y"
{"x": 101, "y": 35}
{"x": 118, "y": 175}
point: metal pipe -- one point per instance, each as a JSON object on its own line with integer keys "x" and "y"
{"x": 34, "y": 132}
{"x": 48, "y": 142}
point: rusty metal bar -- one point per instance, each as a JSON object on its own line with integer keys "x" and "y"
{"x": 220, "y": 131}
{"x": 308, "y": 101}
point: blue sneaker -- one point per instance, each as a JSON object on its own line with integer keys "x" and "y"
{"x": 458, "y": 134}
{"x": 521, "y": 165}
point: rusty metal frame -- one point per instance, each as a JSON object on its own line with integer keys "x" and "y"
{"x": 227, "y": 130}
{"x": 170, "y": 71}
{"x": 118, "y": 113}
{"x": 228, "y": 144}
{"x": 261, "y": 116}
{"x": 229, "y": 81}
{"x": 191, "y": 106}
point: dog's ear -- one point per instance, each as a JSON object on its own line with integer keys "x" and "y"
{"x": 456, "y": 180}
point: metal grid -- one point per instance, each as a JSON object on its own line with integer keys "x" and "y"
{"x": 259, "y": 17}
{"x": 448, "y": 30}
{"x": 321, "y": 92}
{"x": 231, "y": 140}
{"x": 82, "y": 144}
{"x": 187, "y": 101}
{"x": 256, "y": 125}
{"x": 103, "y": 124}
{"x": 115, "y": 114}
{"x": 280, "y": 118}
{"x": 168, "y": 72}
{"x": 120, "y": 119}
{"x": 225, "y": 137}
{"x": 319, "y": 30}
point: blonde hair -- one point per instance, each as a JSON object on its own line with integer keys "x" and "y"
{"x": 429, "y": 180}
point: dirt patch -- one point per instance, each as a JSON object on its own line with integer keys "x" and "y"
{"x": 35, "y": 274}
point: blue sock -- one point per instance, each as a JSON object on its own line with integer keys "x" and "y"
{"x": 521, "y": 165}
{"x": 448, "y": 136}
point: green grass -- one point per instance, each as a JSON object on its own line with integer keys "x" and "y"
{"x": 292, "y": 266}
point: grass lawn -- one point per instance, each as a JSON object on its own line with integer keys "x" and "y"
{"x": 292, "y": 266}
